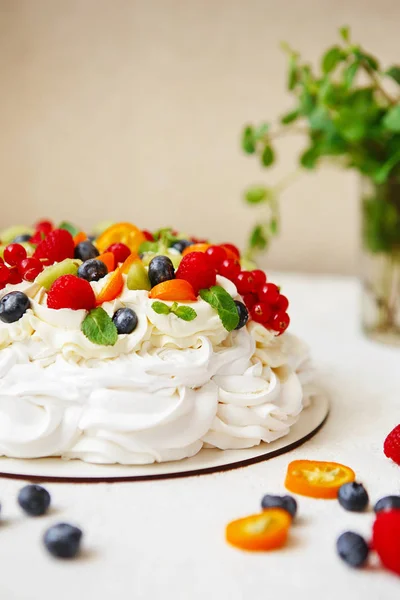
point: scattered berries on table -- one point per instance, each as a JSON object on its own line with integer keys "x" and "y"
{"x": 63, "y": 540}
{"x": 85, "y": 251}
{"x": 181, "y": 245}
{"x": 243, "y": 314}
{"x": 92, "y": 270}
{"x": 391, "y": 445}
{"x": 125, "y": 320}
{"x": 120, "y": 251}
{"x": 160, "y": 269}
{"x": 386, "y": 539}
{"x": 287, "y": 503}
{"x": 387, "y": 503}
{"x": 197, "y": 270}
{"x": 217, "y": 255}
{"x": 34, "y": 500}
{"x": 352, "y": 549}
{"x": 56, "y": 246}
{"x": 353, "y": 496}
{"x": 260, "y": 313}
{"x": 13, "y": 254}
{"x": 70, "y": 291}
{"x": 29, "y": 268}
{"x": 13, "y": 306}
{"x": 229, "y": 268}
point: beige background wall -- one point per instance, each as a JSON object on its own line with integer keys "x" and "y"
{"x": 131, "y": 109}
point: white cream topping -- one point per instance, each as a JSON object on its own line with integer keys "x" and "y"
{"x": 158, "y": 394}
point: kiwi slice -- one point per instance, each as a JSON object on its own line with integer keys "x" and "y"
{"x": 47, "y": 277}
{"x": 9, "y": 235}
{"x": 137, "y": 277}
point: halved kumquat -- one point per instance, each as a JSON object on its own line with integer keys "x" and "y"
{"x": 174, "y": 289}
{"x": 80, "y": 237}
{"x": 108, "y": 259}
{"x": 264, "y": 531}
{"x": 317, "y": 479}
{"x": 124, "y": 233}
{"x": 195, "y": 248}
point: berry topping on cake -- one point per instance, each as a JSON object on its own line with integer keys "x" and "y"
{"x": 269, "y": 293}
{"x": 92, "y": 270}
{"x": 243, "y": 314}
{"x": 245, "y": 283}
{"x": 63, "y": 540}
{"x": 197, "y": 270}
{"x": 353, "y": 496}
{"x": 181, "y": 245}
{"x": 85, "y": 251}
{"x": 13, "y": 306}
{"x": 229, "y": 268}
{"x": 391, "y": 446}
{"x": 57, "y": 246}
{"x": 261, "y": 313}
{"x": 352, "y": 549}
{"x": 22, "y": 239}
{"x": 279, "y": 322}
{"x": 120, "y": 251}
{"x": 217, "y": 255}
{"x": 69, "y": 291}
{"x": 161, "y": 269}
{"x": 125, "y": 320}
{"x": 34, "y": 500}
{"x": 13, "y": 254}
{"x": 29, "y": 268}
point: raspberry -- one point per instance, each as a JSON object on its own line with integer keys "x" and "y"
{"x": 69, "y": 291}
{"x": 391, "y": 446}
{"x": 386, "y": 539}
{"x": 57, "y": 246}
{"x": 195, "y": 268}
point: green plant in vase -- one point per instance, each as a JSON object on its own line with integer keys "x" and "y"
{"x": 349, "y": 112}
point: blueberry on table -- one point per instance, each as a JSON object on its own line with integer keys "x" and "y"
{"x": 287, "y": 503}
{"x": 352, "y": 549}
{"x": 243, "y": 314}
{"x": 387, "y": 503}
{"x": 92, "y": 270}
{"x": 180, "y": 245}
{"x": 85, "y": 251}
{"x": 353, "y": 496}
{"x": 63, "y": 540}
{"x": 125, "y": 320}
{"x": 160, "y": 269}
{"x": 13, "y": 306}
{"x": 34, "y": 500}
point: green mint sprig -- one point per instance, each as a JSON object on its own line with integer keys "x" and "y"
{"x": 186, "y": 313}
{"x": 99, "y": 328}
{"x": 223, "y": 303}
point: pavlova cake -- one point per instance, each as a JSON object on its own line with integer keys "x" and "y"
{"x": 130, "y": 347}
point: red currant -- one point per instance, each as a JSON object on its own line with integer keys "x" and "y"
{"x": 44, "y": 226}
{"x": 149, "y": 236}
{"x": 259, "y": 277}
{"x": 1, "y": 261}
{"x": 229, "y": 268}
{"x": 217, "y": 255}
{"x": 14, "y": 276}
{"x": 14, "y": 253}
{"x": 245, "y": 283}
{"x": 250, "y": 300}
{"x": 269, "y": 293}
{"x": 283, "y": 303}
{"x": 231, "y": 249}
{"x": 280, "y": 322}
{"x": 120, "y": 251}
{"x": 4, "y": 274}
{"x": 30, "y": 268}
{"x": 261, "y": 312}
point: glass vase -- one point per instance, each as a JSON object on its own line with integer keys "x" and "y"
{"x": 381, "y": 259}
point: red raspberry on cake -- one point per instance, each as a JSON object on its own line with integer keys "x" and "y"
{"x": 391, "y": 446}
{"x": 57, "y": 246}
{"x": 69, "y": 291}
{"x": 196, "y": 268}
{"x": 386, "y": 539}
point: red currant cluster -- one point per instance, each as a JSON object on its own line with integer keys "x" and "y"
{"x": 263, "y": 300}
{"x": 18, "y": 266}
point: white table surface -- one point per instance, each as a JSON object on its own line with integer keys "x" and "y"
{"x": 165, "y": 539}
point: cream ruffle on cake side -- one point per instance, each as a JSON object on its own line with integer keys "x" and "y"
{"x": 159, "y": 394}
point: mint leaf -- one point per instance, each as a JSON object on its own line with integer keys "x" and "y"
{"x": 160, "y": 308}
{"x": 391, "y": 120}
{"x": 331, "y": 59}
{"x": 99, "y": 328}
{"x": 219, "y": 299}
{"x": 186, "y": 313}
{"x": 394, "y": 73}
{"x": 256, "y": 194}
{"x": 267, "y": 156}
{"x": 345, "y": 33}
{"x": 248, "y": 141}
{"x": 69, "y": 227}
{"x": 148, "y": 247}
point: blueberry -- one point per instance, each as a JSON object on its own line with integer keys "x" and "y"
{"x": 352, "y": 548}
{"x": 243, "y": 314}
{"x": 92, "y": 270}
{"x": 63, "y": 540}
{"x": 34, "y": 500}
{"x": 287, "y": 503}
{"x": 13, "y": 306}
{"x": 85, "y": 251}
{"x": 353, "y": 496}
{"x": 20, "y": 239}
{"x": 180, "y": 245}
{"x": 125, "y": 320}
{"x": 160, "y": 269}
{"x": 387, "y": 503}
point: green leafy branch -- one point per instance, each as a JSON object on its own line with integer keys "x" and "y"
{"x": 347, "y": 116}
